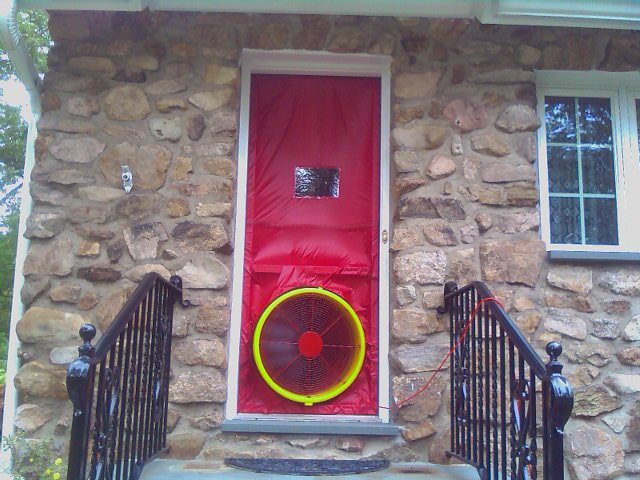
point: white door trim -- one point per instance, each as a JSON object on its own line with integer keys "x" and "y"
{"x": 310, "y": 63}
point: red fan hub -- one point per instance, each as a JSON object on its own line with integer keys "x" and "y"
{"x": 310, "y": 344}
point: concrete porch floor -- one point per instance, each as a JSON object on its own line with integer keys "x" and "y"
{"x": 200, "y": 470}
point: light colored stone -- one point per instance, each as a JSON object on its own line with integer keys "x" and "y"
{"x": 178, "y": 207}
{"x": 503, "y": 173}
{"x": 144, "y": 239}
{"x": 210, "y": 353}
{"x": 593, "y": 400}
{"x": 632, "y": 331}
{"x": 166, "y": 129}
{"x": 219, "y": 149}
{"x": 184, "y": 446}
{"x": 63, "y": 355}
{"x": 415, "y": 408}
{"x": 221, "y": 167}
{"x": 484, "y": 221}
{"x": 83, "y": 107}
{"x": 111, "y": 306}
{"x": 517, "y": 222}
{"x": 93, "y": 64}
{"x": 198, "y": 387}
{"x": 406, "y": 161}
{"x": 518, "y": 118}
{"x": 213, "y": 319}
{"x": 404, "y": 238}
{"x": 167, "y": 86}
{"x": 630, "y": 356}
{"x": 528, "y": 321}
{"x": 528, "y": 55}
{"x": 218, "y": 75}
{"x": 126, "y": 103}
{"x": 623, "y": 383}
{"x": 412, "y": 85}
{"x": 440, "y": 166}
{"x": 465, "y": 115}
{"x": 421, "y": 357}
{"x": 118, "y": 131}
{"x": 417, "y": 432}
{"x": 44, "y": 224}
{"x": 148, "y": 165}
{"x": 181, "y": 167}
{"x": 218, "y": 209}
{"x": 596, "y": 354}
{"x": 489, "y": 143}
{"x": 439, "y": 233}
{"x": 47, "y": 326}
{"x": 566, "y": 323}
{"x": 209, "y": 421}
{"x": 138, "y": 272}
{"x": 205, "y": 272}
{"x": 192, "y": 236}
{"x": 504, "y": 77}
{"x": 168, "y": 105}
{"x": 143, "y": 61}
{"x": 66, "y": 293}
{"x": 78, "y": 150}
{"x": 579, "y": 303}
{"x": 623, "y": 281}
{"x": 608, "y": 328}
{"x": 598, "y": 456}
{"x": 431, "y": 207}
{"x": 41, "y": 380}
{"x": 223, "y": 120}
{"x": 405, "y": 294}
{"x": 419, "y": 134}
{"x": 53, "y": 257}
{"x": 100, "y": 194}
{"x": 425, "y": 268}
{"x": 30, "y": 417}
{"x": 69, "y": 176}
{"x": 469, "y": 233}
{"x": 87, "y": 248}
{"x": 516, "y": 262}
{"x": 99, "y": 272}
{"x": 413, "y": 325}
{"x": 208, "y": 101}
{"x": 616, "y": 421}
{"x": 574, "y": 279}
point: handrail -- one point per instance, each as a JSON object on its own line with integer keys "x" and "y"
{"x": 514, "y": 333}
{"x": 120, "y": 424}
{"x": 493, "y": 364}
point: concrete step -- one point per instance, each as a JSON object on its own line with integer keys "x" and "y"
{"x": 200, "y": 470}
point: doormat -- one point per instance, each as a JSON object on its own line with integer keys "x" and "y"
{"x": 306, "y": 467}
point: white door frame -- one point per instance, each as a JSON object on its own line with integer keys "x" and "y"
{"x": 311, "y": 63}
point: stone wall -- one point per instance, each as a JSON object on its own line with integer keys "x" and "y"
{"x": 159, "y": 92}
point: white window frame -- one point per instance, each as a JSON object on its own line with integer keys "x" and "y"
{"x": 311, "y": 63}
{"x": 622, "y": 89}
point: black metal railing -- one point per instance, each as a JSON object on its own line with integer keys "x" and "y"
{"x": 508, "y": 408}
{"x": 120, "y": 387}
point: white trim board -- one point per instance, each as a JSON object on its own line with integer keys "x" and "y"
{"x": 311, "y": 63}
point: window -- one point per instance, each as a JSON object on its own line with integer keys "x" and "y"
{"x": 588, "y": 160}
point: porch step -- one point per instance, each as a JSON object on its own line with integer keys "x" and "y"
{"x": 200, "y": 470}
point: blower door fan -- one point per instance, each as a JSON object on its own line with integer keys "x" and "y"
{"x": 309, "y": 345}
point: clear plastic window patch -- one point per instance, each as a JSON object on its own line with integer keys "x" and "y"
{"x": 317, "y": 182}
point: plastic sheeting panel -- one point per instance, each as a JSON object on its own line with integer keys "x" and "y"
{"x": 328, "y": 236}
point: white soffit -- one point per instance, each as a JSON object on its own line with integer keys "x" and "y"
{"x": 617, "y": 14}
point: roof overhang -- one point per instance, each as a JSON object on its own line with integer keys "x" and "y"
{"x": 617, "y": 14}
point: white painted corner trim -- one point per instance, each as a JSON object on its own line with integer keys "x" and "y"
{"x": 311, "y": 63}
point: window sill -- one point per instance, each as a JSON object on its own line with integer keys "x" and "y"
{"x": 312, "y": 427}
{"x": 594, "y": 256}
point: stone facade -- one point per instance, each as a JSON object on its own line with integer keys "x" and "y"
{"x": 160, "y": 92}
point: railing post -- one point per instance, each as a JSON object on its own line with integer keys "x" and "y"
{"x": 559, "y": 405}
{"x": 79, "y": 388}
{"x": 449, "y": 287}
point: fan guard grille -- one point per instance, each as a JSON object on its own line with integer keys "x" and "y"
{"x": 309, "y": 345}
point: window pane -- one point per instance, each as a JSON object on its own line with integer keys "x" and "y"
{"x": 600, "y": 221}
{"x": 560, "y": 119}
{"x": 595, "y": 120}
{"x": 565, "y": 220}
{"x": 563, "y": 169}
{"x": 598, "y": 173}
{"x": 316, "y": 182}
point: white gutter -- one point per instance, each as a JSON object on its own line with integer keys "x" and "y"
{"x": 27, "y": 74}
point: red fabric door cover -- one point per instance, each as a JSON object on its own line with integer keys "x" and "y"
{"x": 313, "y": 237}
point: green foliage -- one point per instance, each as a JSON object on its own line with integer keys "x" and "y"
{"x": 32, "y": 458}
{"x": 33, "y": 26}
{"x": 13, "y": 137}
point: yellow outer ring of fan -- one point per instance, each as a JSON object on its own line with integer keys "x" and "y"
{"x": 331, "y": 392}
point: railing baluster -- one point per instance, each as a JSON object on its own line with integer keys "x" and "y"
{"x": 494, "y": 397}
{"x": 487, "y": 404}
{"x": 467, "y": 371}
{"x": 453, "y": 377}
{"x": 503, "y": 405}
{"x": 481, "y": 446}
{"x": 512, "y": 386}
{"x": 474, "y": 390}
{"x": 533, "y": 445}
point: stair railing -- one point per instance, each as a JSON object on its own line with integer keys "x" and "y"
{"x": 120, "y": 387}
{"x": 498, "y": 385}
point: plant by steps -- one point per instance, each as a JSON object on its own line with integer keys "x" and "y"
{"x": 34, "y": 458}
